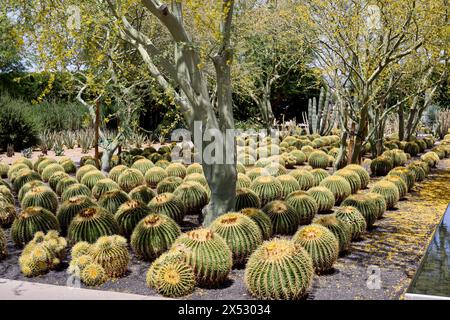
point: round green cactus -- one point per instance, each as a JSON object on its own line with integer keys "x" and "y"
{"x": 406, "y": 174}
{"x": 304, "y": 178}
{"x": 175, "y": 280}
{"x": 288, "y": 185}
{"x": 155, "y": 175}
{"x": 397, "y": 156}
{"x": 197, "y": 177}
{"x": 420, "y": 173}
{"x": 168, "y": 184}
{"x": 50, "y": 170}
{"x": 304, "y": 205}
{"x": 24, "y": 176}
{"x": 320, "y": 243}
{"x": 323, "y": 197}
{"x": 44, "y": 163}
{"x": 7, "y": 214}
{"x": 142, "y": 165}
{"x": 240, "y": 232}
{"x": 318, "y": 175}
{"x": 299, "y": 156}
{"x": 243, "y": 181}
{"x": 261, "y": 219}
{"x": 208, "y": 254}
{"x": 90, "y": 224}
{"x": 111, "y": 200}
{"x": 30, "y": 221}
{"x": 41, "y": 196}
{"x": 340, "y": 230}
{"x": 431, "y": 158}
{"x": 365, "y": 205}
{"x": 89, "y": 160}
{"x": 288, "y": 266}
{"x": 267, "y": 188}
{"x": 339, "y": 186}
{"x": 168, "y": 204}
{"x": 91, "y": 178}
{"x": 14, "y": 169}
{"x": 129, "y": 214}
{"x": 27, "y": 187}
{"x": 154, "y": 235}
{"x": 162, "y": 163}
{"x": 412, "y": 148}
{"x": 193, "y": 195}
{"x": 176, "y": 170}
{"x": 240, "y": 168}
{"x": 246, "y": 198}
{"x": 112, "y": 254}
{"x": 115, "y": 172}
{"x": 80, "y": 249}
{"x": 257, "y": 172}
{"x": 6, "y": 195}
{"x": 74, "y": 190}
{"x": 354, "y": 220}
{"x": 389, "y": 191}
{"x": 68, "y": 166}
{"x": 70, "y": 208}
{"x": 400, "y": 184}
{"x": 172, "y": 256}
{"x": 194, "y": 168}
{"x": 362, "y": 173}
{"x": 55, "y": 178}
{"x": 318, "y": 159}
{"x": 352, "y": 178}
{"x": 93, "y": 275}
{"x": 102, "y": 186}
{"x": 381, "y": 166}
{"x": 64, "y": 183}
{"x": 142, "y": 193}
{"x": 379, "y": 202}
{"x": 3, "y": 245}
{"x": 83, "y": 170}
{"x": 4, "y": 168}
{"x": 284, "y": 218}
{"x": 275, "y": 169}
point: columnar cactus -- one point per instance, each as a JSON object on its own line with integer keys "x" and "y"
{"x": 41, "y": 196}
{"x": 389, "y": 191}
{"x": 168, "y": 204}
{"x": 129, "y": 214}
{"x": 208, "y": 254}
{"x": 318, "y": 175}
{"x": 362, "y": 173}
{"x": 193, "y": 195}
{"x": 304, "y": 205}
{"x": 267, "y": 188}
{"x": 339, "y": 186}
{"x": 153, "y": 235}
{"x": 320, "y": 243}
{"x": 111, "y": 200}
{"x": 240, "y": 232}
{"x": 323, "y": 197}
{"x": 112, "y": 254}
{"x": 76, "y": 189}
{"x": 365, "y": 205}
{"x": 304, "y": 178}
{"x": 30, "y": 221}
{"x": 142, "y": 165}
{"x": 261, "y": 219}
{"x": 340, "y": 230}
{"x": 381, "y": 166}
{"x": 154, "y": 176}
{"x": 288, "y": 266}
{"x": 102, "y": 186}
{"x": 90, "y": 224}
{"x": 354, "y": 220}
{"x": 352, "y": 178}
{"x": 70, "y": 208}
{"x": 246, "y": 198}
{"x": 284, "y": 218}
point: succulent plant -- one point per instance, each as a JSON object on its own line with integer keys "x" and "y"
{"x": 142, "y": 193}
{"x": 64, "y": 183}
{"x": 257, "y": 172}
{"x": 418, "y": 171}
{"x": 362, "y": 173}
{"x": 352, "y": 178}
{"x": 43, "y": 164}
{"x": 431, "y": 158}
{"x": 89, "y": 160}
{"x": 93, "y": 275}
{"x": 176, "y": 170}
{"x": 304, "y": 205}
{"x": 154, "y": 235}
{"x": 111, "y": 200}
{"x": 339, "y": 186}
{"x": 14, "y": 169}
{"x": 261, "y": 219}
{"x": 91, "y": 178}
{"x": 208, "y": 254}
{"x": 3, "y": 245}
{"x": 288, "y": 266}
{"x": 243, "y": 181}
{"x": 30, "y": 221}
{"x": 55, "y": 178}
{"x": 304, "y": 178}
{"x": 340, "y": 230}
{"x": 246, "y": 198}
{"x": 155, "y": 175}
{"x": 194, "y": 168}
{"x": 76, "y": 189}
{"x": 354, "y": 220}
{"x": 197, "y": 177}
{"x": 24, "y": 176}
{"x": 90, "y": 224}
{"x": 323, "y": 197}
{"x": 170, "y": 257}
{"x": 102, "y": 186}
{"x": 389, "y": 191}
{"x": 168, "y": 184}
{"x": 283, "y": 217}
{"x": 318, "y": 175}
{"x": 4, "y": 168}
{"x": 6, "y": 194}
{"x": 288, "y": 185}
{"x": 365, "y": 205}
{"x": 381, "y": 166}
{"x": 276, "y": 169}
{"x": 299, "y": 156}
{"x": 379, "y": 202}
{"x": 41, "y": 196}
{"x": 80, "y": 249}
{"x": 50, "y": 170}
{"x": 162, "y": 163}
{"x": 115, "y": 172}
{"x": 175, "y": 280}
{"x": 405, "y": 174}
{"x": 267, "y": 188}
{"x": 397, "y": 156}
{"x": 70, "y": 208}
{"x": 7, "y": 214}
{"x": 83, "y": 170}
{"x": 168, "y": 204}
{"x": 320, "y": 243}
{"x": 400, "y": 183}
{"x": 129, "y": 214}
{"x": 112, "y": 254}
{"x": 318, "y": 159}
{"x": 142, "y": 165}
{"x": 69, "y": 166}
{"x": 412, "y": 148}
{"x": 240, "y": 168}
{"x": 240, "y": 232}
{"x": 193, "y": 195}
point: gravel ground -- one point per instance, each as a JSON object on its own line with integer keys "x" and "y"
{"x": 392, "y": 250}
